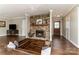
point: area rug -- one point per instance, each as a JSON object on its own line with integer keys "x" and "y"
{"x": 32, "y": 45}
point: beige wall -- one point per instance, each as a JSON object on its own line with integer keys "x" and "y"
{"x": 78, "y": 26}
{"x": 73, "y": 16}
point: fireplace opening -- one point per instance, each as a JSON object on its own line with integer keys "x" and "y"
{"x": 40, "y": 33}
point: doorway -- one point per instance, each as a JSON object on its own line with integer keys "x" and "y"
{"x": 57, "y": 28}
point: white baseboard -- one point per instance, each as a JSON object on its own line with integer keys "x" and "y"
{"x": 6, "y": 35}
{"x": 3, "y": 35}
{"x": 72, "y": 42}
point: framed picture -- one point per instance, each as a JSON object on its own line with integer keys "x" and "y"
{"x": 2, "y": 23}
{"x": 39, "y": 21}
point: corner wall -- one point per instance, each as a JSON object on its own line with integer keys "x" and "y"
{"x": 27, "y": 24}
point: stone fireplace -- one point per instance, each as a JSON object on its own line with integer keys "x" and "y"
{"x": 41, "y": 29}
{"x": 40, "y": 33}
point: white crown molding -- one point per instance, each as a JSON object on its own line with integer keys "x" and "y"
{"x": 9, "y": 18}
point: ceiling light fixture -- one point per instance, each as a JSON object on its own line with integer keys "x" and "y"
{"x": 58, "y": 15}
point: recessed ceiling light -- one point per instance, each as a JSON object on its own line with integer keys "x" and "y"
{"x": 51, "y": 10}
{"x": 58, "y": 15}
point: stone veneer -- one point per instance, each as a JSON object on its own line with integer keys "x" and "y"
{"x": 45, "y": 28}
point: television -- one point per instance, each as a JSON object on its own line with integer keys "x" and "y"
{"x": 12, "y": 26}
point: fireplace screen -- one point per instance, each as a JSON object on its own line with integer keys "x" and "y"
{"x": 40, "y": 33}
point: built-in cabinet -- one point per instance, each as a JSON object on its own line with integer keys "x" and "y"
{"x": 12, "y": 32}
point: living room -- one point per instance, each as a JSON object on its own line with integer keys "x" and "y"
{"x": 35, "y": 23}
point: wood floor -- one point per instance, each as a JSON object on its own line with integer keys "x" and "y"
{"x": 5, "y": 51}
{"x": 60, "y": 46}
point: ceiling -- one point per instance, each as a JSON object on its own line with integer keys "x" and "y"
{"x": 17, "y": 10}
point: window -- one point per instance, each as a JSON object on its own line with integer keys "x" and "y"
{"x": 56, "y": 25}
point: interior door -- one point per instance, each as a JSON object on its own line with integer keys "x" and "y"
{"x": 57, "y": 28}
